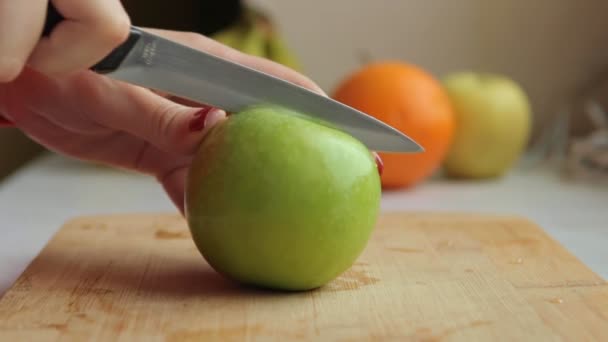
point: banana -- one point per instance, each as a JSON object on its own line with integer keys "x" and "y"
{"x": 230, "y": 37}
{"x": 253, "y": 41}
{"x": 233, "y": 36}
{"x": 277, "y": 51}
{"x": 255, "y": 35}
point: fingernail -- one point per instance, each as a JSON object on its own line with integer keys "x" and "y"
{"x": 379, "y": 163}
{"x": 198, "y": 122}
{"x": 214, "y": 116}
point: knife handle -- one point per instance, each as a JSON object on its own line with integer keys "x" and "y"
{"x": 109, "y": 63}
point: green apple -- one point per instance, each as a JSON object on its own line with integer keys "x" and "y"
{"x": 493, "y": 123}
{"x": 281, "y": 201}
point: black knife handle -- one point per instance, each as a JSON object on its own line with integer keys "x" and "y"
{"x": 53, "y": 18}
{"x": 109, "y": 63}
{"x": 112, "y": 61}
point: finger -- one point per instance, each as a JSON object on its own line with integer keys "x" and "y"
{"x": 379, "y": 162}
{"x": 122, "y": 150}
{"x": 96, "y": 147}
{"x": 203, "y": 43}
{"x": 115, "y": 148}
{"x": 16, "y": 39}
{"x": 92, "y": 29}
{"x": 170, "y": 170}
{"x": 167, "y": 125}
{"x": 174, "y": 183}
{"x": 49, "y": 97}
{"x": 4, "y": 122}
{"x": 88, "y": 103}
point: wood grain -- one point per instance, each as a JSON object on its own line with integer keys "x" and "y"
{"x": 424, "y": 277}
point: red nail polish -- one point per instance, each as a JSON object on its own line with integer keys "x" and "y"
{"x": 198, "y": 122}
{"x": 379, "y": 163}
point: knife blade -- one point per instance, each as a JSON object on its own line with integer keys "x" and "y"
{"x": 151, "y": 61}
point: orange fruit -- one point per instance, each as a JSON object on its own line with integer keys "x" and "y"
{"x": 414, "y": 102}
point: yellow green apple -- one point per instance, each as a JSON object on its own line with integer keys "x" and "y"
{"x": 275, "y": 199}
{"x": 493, "y": 123}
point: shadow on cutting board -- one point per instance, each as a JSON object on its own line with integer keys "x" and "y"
{"x": 162, "y": 277}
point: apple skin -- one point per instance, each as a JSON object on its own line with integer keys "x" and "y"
{"x": 493, "y": 123}
{"x": 280, "y": 201}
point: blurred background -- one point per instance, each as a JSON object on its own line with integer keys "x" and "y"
{"x": 541, "y": 122}
{"x": 557, "y": 50}
{"x": 552, "y": 47}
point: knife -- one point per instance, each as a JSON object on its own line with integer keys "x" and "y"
{"x": 154, "y": 62}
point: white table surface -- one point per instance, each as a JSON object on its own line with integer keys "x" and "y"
{"x": 38, "y": 199}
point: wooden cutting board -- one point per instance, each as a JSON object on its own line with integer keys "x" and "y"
{"x": 423, "y": 277}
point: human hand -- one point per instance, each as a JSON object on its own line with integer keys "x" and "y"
{"x": 90, "y": 31}
{"x": 95, "y": 118}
